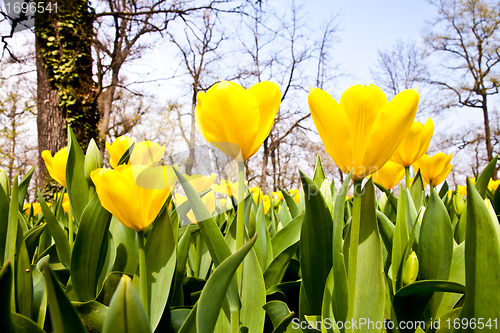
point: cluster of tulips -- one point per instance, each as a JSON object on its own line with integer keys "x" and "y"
{"x": 119, "y": 251}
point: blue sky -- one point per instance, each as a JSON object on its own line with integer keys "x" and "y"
{"x": 369, "y": 26}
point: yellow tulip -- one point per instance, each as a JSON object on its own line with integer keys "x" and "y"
{"x": 493, "y": 185}
{"x": 201, "y": 183}
{"x": 434, "y": 169}
{"x": 65, "y": 202}
{"x": 236, "y": 120}
{"x": 117, "y": 149}
{"x": 227, "y": 188}
{"x": 147, "y": 153}
{"x": 362, "y": 132}
{"x": 56, "y": 166}
{"x": 462, "y": 190}
{"x": 259, "y": 196}
{"x": 35, "y": 206}
{"x": 277, "y": 197}
{"x": 295, "y": 195}
{"x": 389, "y": 175}
{"x": 415, "y": 144}
{"x": 134, "y": 206}
{"x": 208, "y": 199}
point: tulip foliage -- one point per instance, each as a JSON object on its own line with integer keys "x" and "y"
{"x": 128, "y": 257}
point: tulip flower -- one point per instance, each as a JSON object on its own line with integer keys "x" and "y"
{"x": 237, "y": 120}
{"x": 117, "y": 149}
{"x": 435, "y": 169}
{"x": 389, "y": 175}
{"x": 201, "y": 183}
{"x": 56, "y": 166}
{"x": 147, "y": 153}
{"x": 493, "y": 185}
{"x": 65, "y": 202}
{"x": 228, "y": 188}
{"x": 294, "y": 194}
{"x": 259, "y": 196}
{"x": 129, "y": 197}
{"x": 415, "y": 144}
{"x": 35, "y": 206}
{"x": 363, "y": 131}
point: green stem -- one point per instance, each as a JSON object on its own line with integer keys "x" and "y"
{"x": 241, "y": 205}
{"x": 71, "y": 227}
{"x": 407, "y": 176}
{"x": 142, "y": 271}
{"x": 353, "y": 248}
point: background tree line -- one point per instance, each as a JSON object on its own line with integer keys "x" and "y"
{"x": 84, "y": 56}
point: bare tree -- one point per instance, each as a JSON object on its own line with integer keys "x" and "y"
{"x": 198, "y": 47}
{"x": 466, "y": 36}
{"x": 399, "y": 68}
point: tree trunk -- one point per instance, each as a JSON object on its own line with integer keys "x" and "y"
{"x": 487, "y": 134}
{"x": 66, "y": 90}
{"x": 50, "y": 121}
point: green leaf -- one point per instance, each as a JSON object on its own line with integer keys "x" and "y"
{"x": 400, "y": 239}
{"x": 217, "y": 246}
{"x": 177, "y": 298}
{"x": 23, "y": 324}
{"x": 6, "y": 298}
{"x": 10, "y": 245}
{"x": 39, "y": 296}
{"x": 62, "y": 244}
{"x": 215, "y": 290}
{"x": 340, "y": 288}
{"x": 160, "y": 259}
{"x": 275, "y": 272}
{"x": 92, "y": 314}
{"x": 294, "y": 209}
{"x": 90, "y": 250}
{"x": 435, "y": 248}
{"x": 370, "y": 280}
{"x": 316, "y": 237}
{"x": 126, "y": 313}
{"x": 482, "y": 260}
{"x": 443, "y": 192}
{"x": 4, "y": 223}
{"x": 189, "y": 325}
{"x": 417, "y": 191}
{"x": 457, "y": 274}
{"x": 387, "y": 230}
{"x": 23, "y": 187}
{"x": 319, "y": 174}
{"x": 32, "y": 238}
{"x": 62, "y": 313}
{"x": 127, "y": 247}
{"x": 253, "y": 294}
{"x": 327, "y": 311}
{"x": 411, "y": 301}
{"x": 287, "y": 236}
{"x": 485, "y": 176}
{"x": 178, "y": 317}
{"x": 280, "y": 315}
{"x": 23, "y": 278}
{"x": 76, "y": 183}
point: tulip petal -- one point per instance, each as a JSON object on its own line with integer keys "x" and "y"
{"x": 225, "y": 113}
{"x": 391, "y": 126}
{"x": 331, "y": 122}
{"x": 268, "y": 97}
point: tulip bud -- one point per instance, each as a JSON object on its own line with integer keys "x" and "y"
{"x": 4, "y": 182}
{"x": 410, "y": 269}
{"x": 458, "y": 203}
{"x": 93, "y": 160}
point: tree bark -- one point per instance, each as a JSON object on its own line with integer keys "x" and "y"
{"x": 50, "y": 121}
